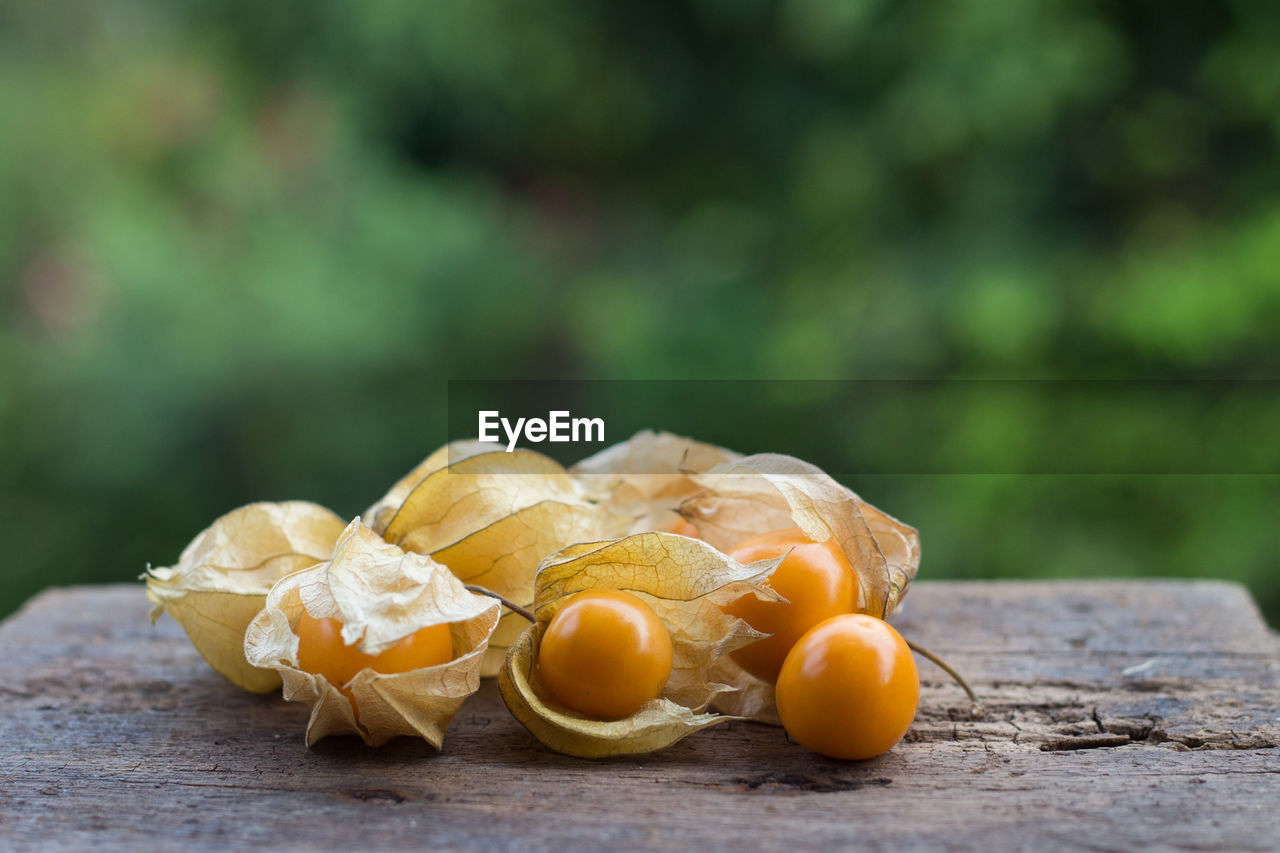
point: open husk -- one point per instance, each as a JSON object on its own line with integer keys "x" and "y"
{"x": 222, "y": 578}
{"x": 686, "y": 582}
{"x": 379, "y": 515}
{"x": 458, "y": 499}
{"x": 504, "y": 558}
{"x": 490, "y": 517}
{"x": 771, "y": 491}
{"x": 642, "y": 480}
{"x": 380, "y": 594}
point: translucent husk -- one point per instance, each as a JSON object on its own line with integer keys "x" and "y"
{"x": 642, "y": 480}
{"x": 504, "y": 557}
{"x": 222, "y": 578}
{"x": 770, "y": 491}
{"x": 686, "y": 582}
{"x": 379, "y": 515}
{"x": 753, "y": 698}
{"x": 450, "y": 503}
{"x": 380, "y": 594}
{"x": 490, "y": 517}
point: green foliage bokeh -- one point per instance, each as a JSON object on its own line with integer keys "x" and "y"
{"x": 243, "y": 246}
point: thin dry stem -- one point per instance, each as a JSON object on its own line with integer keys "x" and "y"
{"x": 976, "y": 710}
{"x": 506, "y": 602}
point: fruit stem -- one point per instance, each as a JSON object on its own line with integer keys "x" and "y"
{"x": 946, "y": 667}
{"x": 510, "y": 605}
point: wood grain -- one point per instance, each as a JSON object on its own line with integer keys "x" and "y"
{"x": 1119, "y": 715}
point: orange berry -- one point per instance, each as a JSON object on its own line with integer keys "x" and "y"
{"x": 815, "y": 578}
{"x": 849, "y": 689}
{"x": 683, "y": 528}
{"x": 322, "y": 651}
{"x": 605, "y": 653}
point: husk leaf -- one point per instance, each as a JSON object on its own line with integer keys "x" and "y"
{"x": 771, "y": 491}
{"x": 453, "y": 502}
{"x": 490, "y": 517}
{"x": 643, "y": 479}
{"x": 380, "y": 594}
{"x": 379, "y": 515}
{"x": 752, "y": 698}
{"x": 686, "y": 582}
{"x": 504, "y": 558}
{"x": 222, "y": 578}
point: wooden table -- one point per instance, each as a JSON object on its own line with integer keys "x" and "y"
{"x": 1120, "y": 715}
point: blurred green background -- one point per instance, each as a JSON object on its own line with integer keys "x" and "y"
{"x": 243, "y": 246}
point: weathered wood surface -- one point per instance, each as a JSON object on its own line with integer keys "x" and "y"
{"x": 1119, "y": 715}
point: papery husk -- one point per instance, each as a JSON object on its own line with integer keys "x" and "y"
{"x": 686, "y": 582}
{"x": 453, "y": 502}
{"x": 381, "y": 594}
{"x": 752, "y": 698}
{"x": 770, "y": 491}
{"x": 490, "y": 516}
{"x": 504, "y": 558}
{"x": 222, "y": 578}
{"x": 379, "y": 515}
{"x": 643, "y": 479}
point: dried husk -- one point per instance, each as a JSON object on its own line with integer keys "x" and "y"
{"x": 222, "y": 578}
{"x": 490, "y": 517}
{"x": 771, "y": 491}
{"x": 752, "y": 698}
{"x": 452, "y": 502}
{"x": 379, "y": 515}
{"x": 686, "y": 582}
{"x": 380, "y": 594}
{"x": 642, "y": 480}
{"x": 504, "y": 558}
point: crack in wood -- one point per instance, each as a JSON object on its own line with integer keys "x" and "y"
{"x": 1057, "y": 744}
{"x": 378, "y": 796}
{"x": 792, "y": 782}
{"x": 1068, "y": 727}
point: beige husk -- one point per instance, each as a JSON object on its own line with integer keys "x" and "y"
{"x": 380, "y": 594}
{"x": 753, "y": 698}
{"x": 504, "y": 557}
{"x": 379, "y": 515}
{"x": 222, "y": 578}
{"x": 771, "y": 491}
{"x": 686, "y": 582}
{"x": 451, "y": 503}
{"x": 490, "y": 517}
{"x": 643, "y": 479}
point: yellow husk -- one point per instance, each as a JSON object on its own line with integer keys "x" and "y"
{"x": 771, "y": 491}
{"x": 490, "y": 517}
{"x": 222, "y": 578}
{"x": 752, "y": 698}
{"x": 504, "y": 557}
{"x": 642, "y": 480}
{"x": 379, "y": 515}
{"x": 686, "y": 582}
{"x": 451, "y": 503}
{"x": 380, "y": 594}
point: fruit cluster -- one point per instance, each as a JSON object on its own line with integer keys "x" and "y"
{"x": 655, "y": 589}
